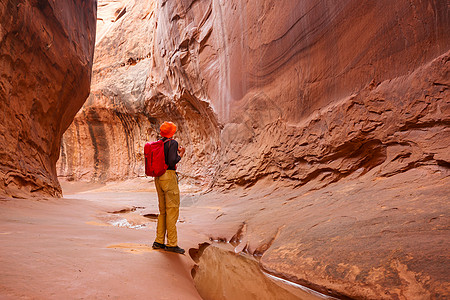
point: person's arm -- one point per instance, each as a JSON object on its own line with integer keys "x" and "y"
{"x": 173, "y": 158}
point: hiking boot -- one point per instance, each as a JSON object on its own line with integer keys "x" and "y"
{"x": 157, "y": 245}
{"x": 175, "y": 249}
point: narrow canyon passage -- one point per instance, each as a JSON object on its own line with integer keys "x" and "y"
{"x": 317, "y": 148}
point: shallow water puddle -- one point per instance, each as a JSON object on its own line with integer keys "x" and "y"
{"x": 131, "y": 217}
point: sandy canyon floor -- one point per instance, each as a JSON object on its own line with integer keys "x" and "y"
{"x": 75, "y": 248}
{"x": 95, "y": 243}
{"x": 363, "y": 237}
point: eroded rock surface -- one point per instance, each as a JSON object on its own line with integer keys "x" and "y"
{"x": 339, "y": 111}
{"x": 131, "y": 96}
{"x": 46, "y": 50}
{"x": 254, "y": 68}
{"x": 363, "y": 237}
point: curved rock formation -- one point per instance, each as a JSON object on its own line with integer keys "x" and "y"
{"x": 46, "y": 52}
{"x": 130, "y": 96}
{"x": 250, "y": 67}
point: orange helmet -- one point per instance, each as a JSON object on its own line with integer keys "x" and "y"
{"x": 168, "y": 129}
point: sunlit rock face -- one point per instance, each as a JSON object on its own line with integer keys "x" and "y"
{"x": 280, "y": 77}
{"x": 133, "y": 92}
{"x": 46, "y": 58}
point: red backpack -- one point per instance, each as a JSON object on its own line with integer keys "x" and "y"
{"x": 155, "y": 161}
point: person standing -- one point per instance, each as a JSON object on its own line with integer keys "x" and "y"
{"x": 168, "y": 192}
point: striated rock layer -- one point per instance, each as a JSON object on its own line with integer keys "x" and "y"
{"x": 341, "y": 106}
{"x": 46, "y": 52}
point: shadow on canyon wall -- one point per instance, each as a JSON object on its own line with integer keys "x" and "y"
{"x": 46, "y": 56}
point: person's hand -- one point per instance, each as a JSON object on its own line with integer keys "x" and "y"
{"x": 181, "y": 150}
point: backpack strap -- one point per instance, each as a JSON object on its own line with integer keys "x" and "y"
{"x": 169, "y": 145}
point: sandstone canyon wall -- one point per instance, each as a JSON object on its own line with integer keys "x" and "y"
{"x": 46, "y": 54}
{"x": 131, "y": 95}
{"x": 257, "y": 88}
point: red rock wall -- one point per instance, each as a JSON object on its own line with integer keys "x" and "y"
{"x": 301, "y": 55}
{"x": 284, "y": 64}
{"x": 361, "y": 209}
{"x": 252, "y": 67}
{"x": 46, "y": 51}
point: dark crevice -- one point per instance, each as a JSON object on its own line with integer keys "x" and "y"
{"x": 120, "y": 15}
{"x": 443, "y": 163}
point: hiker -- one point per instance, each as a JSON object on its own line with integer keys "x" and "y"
{"x": 168, "y": 192}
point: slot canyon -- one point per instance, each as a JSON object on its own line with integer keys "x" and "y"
{"x": 317, "y": 148}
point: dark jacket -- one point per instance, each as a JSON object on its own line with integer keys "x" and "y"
{"x": 171, "y": 153}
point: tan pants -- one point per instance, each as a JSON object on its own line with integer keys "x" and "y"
{"x": 169, "y": 207}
